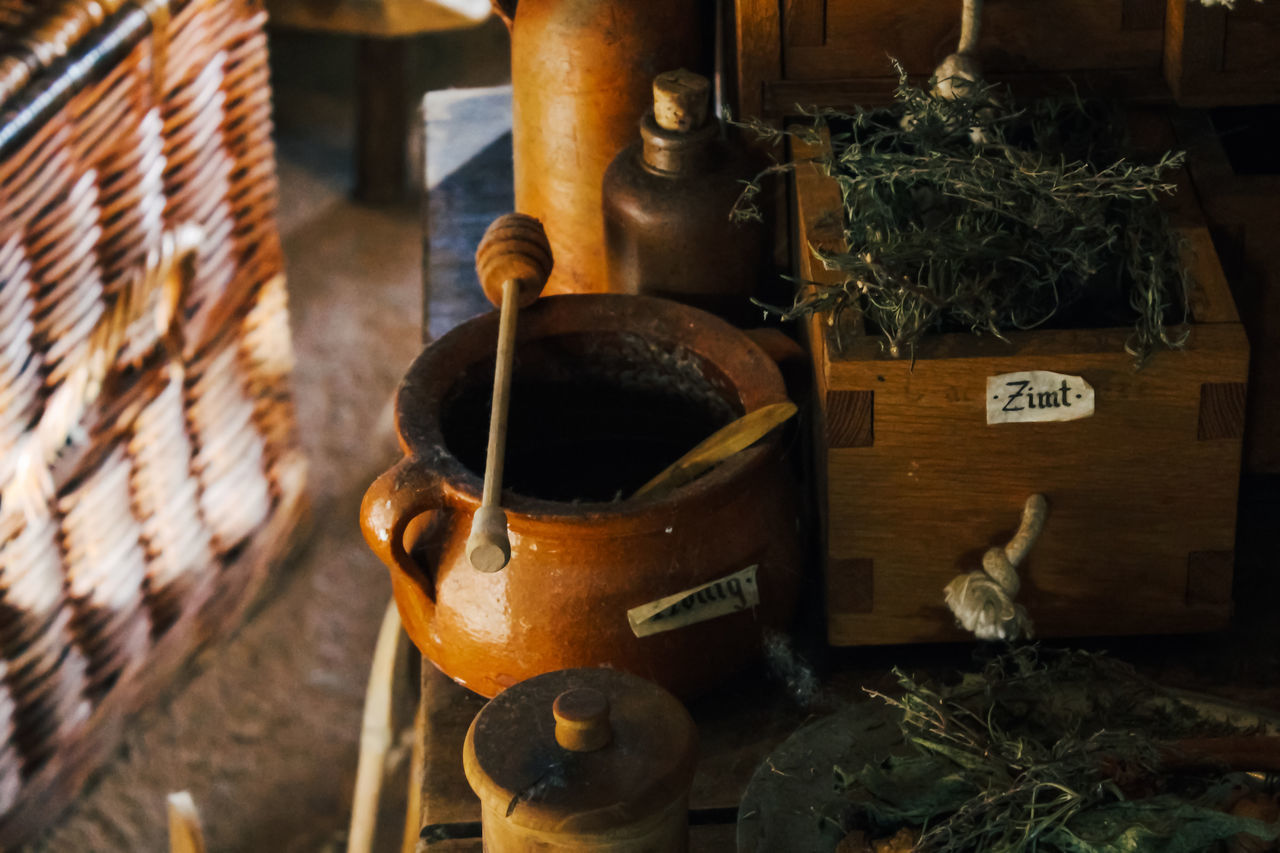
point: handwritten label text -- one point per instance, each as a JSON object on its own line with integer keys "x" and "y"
{"x": 721, "y": 597}
{"x": 1037, "y": 396}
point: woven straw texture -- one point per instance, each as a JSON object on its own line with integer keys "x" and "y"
{"x": 149, "y": 468}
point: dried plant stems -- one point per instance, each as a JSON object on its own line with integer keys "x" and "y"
{"x": 1045, "y": 751}
{"x": 968, "y": 212}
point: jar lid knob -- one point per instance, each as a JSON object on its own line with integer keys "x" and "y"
{"x": 582, "y": 719}
{"x": 680, "y": 100}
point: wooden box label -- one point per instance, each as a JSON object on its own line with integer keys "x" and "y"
{"x": 729, "y": 594}
{"x": 1037, "y": 396}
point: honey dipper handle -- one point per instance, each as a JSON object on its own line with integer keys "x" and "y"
{"x": 488, "y": 546}
{"x": 512, "y": 263}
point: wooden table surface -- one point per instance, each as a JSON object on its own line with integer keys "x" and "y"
{"x": 737, "y": 726}
{"x": 743, "y": 721}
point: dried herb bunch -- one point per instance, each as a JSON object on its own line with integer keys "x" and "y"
{"x": 1057, "y": 752}
{"x": 974, "y": 212}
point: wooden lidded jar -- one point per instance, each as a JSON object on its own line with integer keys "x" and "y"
{"x": 583, "y": 760}
{"x": 667, "y": 203}
{"x": 580, "y": 77}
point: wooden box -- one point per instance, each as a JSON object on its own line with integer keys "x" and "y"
{"x": 1243, "y": 210}
{"x": 914, "y": 485}
{"x": 836, "y": 52}
{"x": 1218, "y": 57}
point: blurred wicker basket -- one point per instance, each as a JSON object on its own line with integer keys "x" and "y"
{"x": 149, "y": 468}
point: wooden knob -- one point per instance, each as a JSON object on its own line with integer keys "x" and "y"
{"x": 582, "y": 719}
{"x": 680, "y": 100}
{"x": 514, "y": 248}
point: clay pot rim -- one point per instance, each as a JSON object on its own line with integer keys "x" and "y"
{"x": 752, "y": 373}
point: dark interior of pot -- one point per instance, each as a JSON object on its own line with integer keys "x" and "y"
{"x": 593, "y": 416}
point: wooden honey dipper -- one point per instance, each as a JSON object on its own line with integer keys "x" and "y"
{"x": 512, "y": 263}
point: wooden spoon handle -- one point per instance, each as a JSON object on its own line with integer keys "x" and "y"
{"x": 719, "y": 446}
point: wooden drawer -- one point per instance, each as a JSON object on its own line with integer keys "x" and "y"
{"x": 833, "y": 39}
{"x": 1220, "y": 57}
{"x": 836, "y": 52}
{"x": 914, "y": 485}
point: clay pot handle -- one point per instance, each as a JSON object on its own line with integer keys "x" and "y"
{"x": 396, "y": 498}
{"x": 792, "y": 359}
{"x": 777, "y": 345}
{"x": 506, "y": 10}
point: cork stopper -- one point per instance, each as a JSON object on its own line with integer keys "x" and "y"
{"x": 680, "y": 100}
{"x": 582, "y": 719}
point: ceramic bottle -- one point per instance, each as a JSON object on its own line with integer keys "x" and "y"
{"x": 667, "y": 204}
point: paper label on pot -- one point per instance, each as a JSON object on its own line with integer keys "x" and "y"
{"x": 1037, "y": 396}
{"x": 729, "y": 594}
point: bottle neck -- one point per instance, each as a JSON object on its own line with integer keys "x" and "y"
{"x": 670, "y": 152}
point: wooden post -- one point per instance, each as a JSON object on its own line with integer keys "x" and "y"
{"x": 383, "y": 109}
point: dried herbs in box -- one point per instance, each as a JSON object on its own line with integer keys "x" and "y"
{"x": 978, "y": 212}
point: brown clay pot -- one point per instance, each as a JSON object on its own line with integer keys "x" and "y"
{"x": 607, "y": 390}
{"x": 581, "y": 77}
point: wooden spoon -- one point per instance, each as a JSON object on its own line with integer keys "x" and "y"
{"x": 731, "y": 438}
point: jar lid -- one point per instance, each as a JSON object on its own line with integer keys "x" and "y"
{"x": 580, "y": 750}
